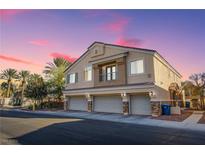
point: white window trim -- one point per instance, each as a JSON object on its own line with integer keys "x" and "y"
{"x": 91, "y": 73}
{"x": 129, "y": 66}
{"x": 74, "y": 78}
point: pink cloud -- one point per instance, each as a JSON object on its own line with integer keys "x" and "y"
{"x": 133, "y": 42}
{"x": 6, "y": 14}
{"x": 118, "y": 25}
{"x": 17, "y": 60}
{"x": 60, "y": 55}
{"x": 39, "y": 42}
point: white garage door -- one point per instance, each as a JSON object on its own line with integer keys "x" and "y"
{"x": 140, "y": 104}
{"x": 78, "y": 103}
{"x": 110, "y": 104}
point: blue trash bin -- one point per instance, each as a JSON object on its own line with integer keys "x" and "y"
{"x": 188, "y": 105}
{"x": 166, "y": 109}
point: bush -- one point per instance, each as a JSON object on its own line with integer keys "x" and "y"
{"x": 47, "y": 105}
{"x": 30, "y": 107}
{"x": 17, "y": 102}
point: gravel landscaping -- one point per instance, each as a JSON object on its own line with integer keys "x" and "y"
{"x": 202, "y": 120}
{"x": 184, "y": 115}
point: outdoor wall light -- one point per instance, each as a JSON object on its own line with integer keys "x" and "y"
{"x": 123, "y": 94}
{"x": 152, "y": 94}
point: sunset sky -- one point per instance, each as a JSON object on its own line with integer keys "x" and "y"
{"x": 30, "y": 38}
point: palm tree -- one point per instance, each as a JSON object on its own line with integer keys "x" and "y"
{"x": 55, "y": 72}
{"x": 189, "y": 88}
{"x": 4, "y": 87}
{"x": 57, "y": 63}
{"x": 8, "y": 75}
{"x": 23, "y": 75}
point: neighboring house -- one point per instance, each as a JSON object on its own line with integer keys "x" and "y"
{"x": 117, "y": 79}
{"x": 194, "y": 101}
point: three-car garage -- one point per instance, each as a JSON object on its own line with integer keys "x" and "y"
{"x": 139, "y": 104}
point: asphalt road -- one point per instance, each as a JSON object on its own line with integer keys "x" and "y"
{"x": 37, "y": 129}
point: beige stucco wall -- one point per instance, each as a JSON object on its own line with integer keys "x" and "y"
{"x": 155, "y": 69}
{"x": 164, "y": 76}
{"x": 161, "y": 94}
{"x": 148, "y": 75}
{"x": 79, "y": 67}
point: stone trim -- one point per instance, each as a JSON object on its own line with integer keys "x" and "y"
{"x": 125, "y": 108}
{"x": 90, "y": 106}
{"x": 156, "y": 108}
{"x": 66, "y": 104}
{"x": 125, "y": 102}
{"x": 89, "y": 102}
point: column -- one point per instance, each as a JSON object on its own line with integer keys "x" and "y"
{"x": 90, "y": 102}
{"x": 155, "y": 104}
{"x": 66, "y": 103}
{"x": 125, "y": 101}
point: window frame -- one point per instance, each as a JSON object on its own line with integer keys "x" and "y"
{"x": 70, "y": 78}
{"x": 86, "y": 71}
{"x": 111, "y": 73}
{"x": 138, "y": 59}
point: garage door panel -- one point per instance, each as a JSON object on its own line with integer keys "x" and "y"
{"x": 109, "y": 104}
{"x": 140, "y": 104}
{"x": 78, "y": 103}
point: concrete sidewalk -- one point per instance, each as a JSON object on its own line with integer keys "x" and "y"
{"x": 188, "y": 124}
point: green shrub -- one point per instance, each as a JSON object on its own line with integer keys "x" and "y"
{"x": 47, "y": 105}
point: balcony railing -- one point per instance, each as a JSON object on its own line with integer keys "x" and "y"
{"x": 108, "y": 76}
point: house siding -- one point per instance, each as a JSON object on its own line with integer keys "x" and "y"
{"x": 79, "y": 68}
{"x": 164, "y": 75}
{"x": 151, "y": 85}
{"x": 148, "y": 75}
{"x": 88, "y": 58}
{"x": 155, "y": 69}
{"x": 121, "y": 74}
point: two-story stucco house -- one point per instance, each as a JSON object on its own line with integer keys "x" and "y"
{"x": 117, "y": 79}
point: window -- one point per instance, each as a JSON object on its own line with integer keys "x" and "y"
{"x": 72, "y": 78}
{"x": 88, "y": 73}
{"x": 108, "y": 73}
{"x": 111, "y": 73}
{"x": 137, "y": 67}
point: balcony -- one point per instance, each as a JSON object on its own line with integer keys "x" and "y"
{"x": 108, "y": 76}
{"x": 110, "y": 73}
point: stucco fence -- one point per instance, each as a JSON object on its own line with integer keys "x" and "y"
{"x": 5, "y": 101}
